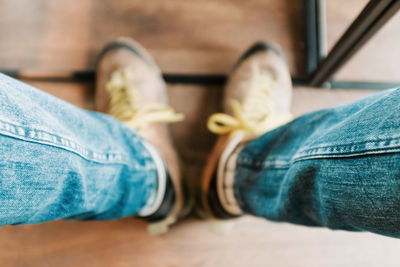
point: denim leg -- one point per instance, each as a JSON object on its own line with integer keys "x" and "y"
{"x": 337, "y": 168}
{"x": 59, "y": 161}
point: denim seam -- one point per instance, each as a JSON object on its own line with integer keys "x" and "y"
{"x": 346, "y": 155}
{"x": 245, "y": 161}
{"x": 337, "y": 151}
{"x": 375, "y": 184}
{"x": 46, "y": 138}
{"x": 351, "y": 148}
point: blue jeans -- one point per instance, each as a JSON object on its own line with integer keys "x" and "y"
{"x": 337, "y": 168}
{"x": 58, "y": 161}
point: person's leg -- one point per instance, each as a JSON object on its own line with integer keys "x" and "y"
{"x": 257, "y": 99}
{"x": 338, "y": 168}
{"x": 130, "y": 87}
{"x": 58, "y": 161}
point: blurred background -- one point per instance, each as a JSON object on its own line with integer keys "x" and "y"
{"x": 192, "y": 38}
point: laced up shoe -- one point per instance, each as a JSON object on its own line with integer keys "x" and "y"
{"x": 257, "y": 99}
{"x": 129, "y": 86}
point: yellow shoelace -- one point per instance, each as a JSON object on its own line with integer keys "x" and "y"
{"x": 254, "y": 116}
{"x": 124, "y": 104}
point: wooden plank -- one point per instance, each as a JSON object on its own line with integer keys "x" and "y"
{"x": 253, "y": 242}
{"x": 79, "y": 94}
{"x": 184, "y": 36}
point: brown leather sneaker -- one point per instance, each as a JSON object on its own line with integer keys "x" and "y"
{"x": 257, "y": 99}
{"x": 129, "y": 86}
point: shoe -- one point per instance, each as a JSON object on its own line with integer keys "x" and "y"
{"x": 257, "y": 99}
{"x": 129, "y": 86}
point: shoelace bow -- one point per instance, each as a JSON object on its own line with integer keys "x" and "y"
{"x": 124, "y": 104}
{"x": 254, "y": 116}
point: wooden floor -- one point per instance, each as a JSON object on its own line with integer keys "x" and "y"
{"x": 184, "y": 36}
{"x": 190, "y": 37}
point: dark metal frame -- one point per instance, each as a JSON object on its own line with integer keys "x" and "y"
{"x": 314, "y": 33}
{"x": 89, "y": 75}
{"x": 319, "y": 68}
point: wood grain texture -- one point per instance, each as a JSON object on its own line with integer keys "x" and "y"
{"x": 253, "y": 242}
{"x": 203, "y": 36}
{"x": 79, "y": 94}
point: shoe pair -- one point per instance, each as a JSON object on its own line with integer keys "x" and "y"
{"x": 130, "y": 87}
